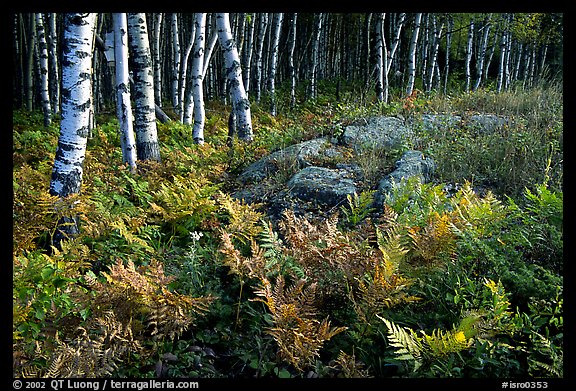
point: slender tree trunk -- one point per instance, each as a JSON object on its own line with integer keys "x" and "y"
{"x": 123, "y": 104}
{"x": 379, "y": 56}
{"x": 482, "y": 52}
{"x": 315, "y": 56}
{"x": 396, "y": 41}
{"x": 43, "y": 56}
{"x": 448, "y": 48}
{"x": 247, "y": 53}
{"x": 424, "y": 56}
{"x": 77, "y": 49}
{"x": 291, "y": 67}
{"x": 176, "y": 64}
{"x": 259, "y": 51}
{"x": 412, "y": 54}
{"x": 469, "y": 54}
{"x": 157, "y": 61}
{"x": 184, "y": 84}
{"x": 30, "y": 63}
{"x": 209, "y": 51}
{"x": 435, "y": 48}
{"x": 490, "y": 56}
{"x": 278, "y": 18}
{"x": 501, "y": 66}
{"x": 197, "y": 87}
{"x": 240, "y": 102}
{"x": 147, "y": 146}
{"x": 54, "y": 78}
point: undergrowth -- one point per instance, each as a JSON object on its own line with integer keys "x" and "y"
{"x": 171, "y": 276}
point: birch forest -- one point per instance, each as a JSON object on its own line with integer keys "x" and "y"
{"x": 214, "y": 196}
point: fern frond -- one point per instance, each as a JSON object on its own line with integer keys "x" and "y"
{"x": 408, "y": 346}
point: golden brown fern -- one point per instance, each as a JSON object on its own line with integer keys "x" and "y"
{"x": 297, "y": 332}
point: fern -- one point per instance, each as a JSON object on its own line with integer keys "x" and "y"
{"x": 298, "y": 334}
{"x": 359, "y": 207}
{"x": 408, "y": 345}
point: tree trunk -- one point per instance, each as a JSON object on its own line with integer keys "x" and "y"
{"x": 240, "y": 102}
{"x": 259, "y": 50}
{"x": 481, "y": 55}
{"x": 291, "y": 67}
{"x": 469, "y": 54}
{"x": 197, "y": 86}
{"x": 278, "y": 18}
{"x": 30, "y": 63}
{"x": 435, "y": 48}
{"x": 123, "y": 104}
{"x": 157, "y": 62}
{"x": 54, "y": 79}
{"x": 447, "y": 57}
{"x": 186, "y": 105}
{"x": 77, "y": 49}
{"x": 247, "y": 53}
{"x": 315, "y": 56}
{"x": 43, "y": 56}
{"x": 176, "y": 65}
{"x": 379, "y": 56}
{"x": 412, "y": 55}
{"x": 147, "y": 146}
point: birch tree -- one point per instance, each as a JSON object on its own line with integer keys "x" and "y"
{"x": 197, "y": 86}
{"x": 379, "y": 55}
{"x": 481, "y": 55}
{"x": 43, "y": 59}
{"x": 123, "y": 104}
{"x": 240, "y": 102}
{"x": 263, "y": 23}
{"x": 176, "y": 64}
{"x": 77, "y": 49}
{"x": 54, "y": 78}
{"x": 412, "y": 54}
{"x": 449, "y": 29}
{"x": 469, "y": 54}
{"x": 146, "y": 133}
{"x": 434, "y": 52}
{"x": 291, "y": 67}
{"x": 315, "y": 56}
{"x": 247, "y": 53}
{"x": 157, "y": 62}
{"x": 278, "y": 18}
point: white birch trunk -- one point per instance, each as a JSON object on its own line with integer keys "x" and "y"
{"x": 396, "y": 41}
{"x": 259, "y": 49}
{"x": 157, "y": 62}
{"x": 379, "y": 56}
{"x": 123, "y": 104}
{"x": 247, "y": 53}
{"x": 448, "y": 48}
{"x": 435, "y": 48}
{"x": 208, "y": 54}
{"x": 184, "y": 72}
{"x": 291, "y": 67}
{"x": 240, "y": 102}
{"x": 500, "y": 80}
{"x": 77, "y": 49}
{"x": 412, "y": 55}
{"x": 147, "y": 147}
{"x": 29, "y": 77}
{"x": 43, "y": 57}
{"x": 315, "y": 56}
{"x": 482, "y": 53}
{"x": 197, "y": 86}
{"x": 176, "y": 64}
{"x": 54, "y": 78}
{"x": 469, "y": 54}
{"x": 278, "y": 18}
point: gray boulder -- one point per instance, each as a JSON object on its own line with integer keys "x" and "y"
{"x": 377, "y": 132}
{"x": 411, "y": 164}
{"x": 294, "y": 157}
{"x": 327, "y": 186}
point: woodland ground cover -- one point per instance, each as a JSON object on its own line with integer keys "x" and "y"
{"x": 172, "y": 277}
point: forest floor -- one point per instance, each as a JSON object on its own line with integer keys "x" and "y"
{"x": 172, "y": 276}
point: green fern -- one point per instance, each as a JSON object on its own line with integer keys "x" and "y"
{"x": 359, "y": 207}
{"x": 408, "y": 345}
